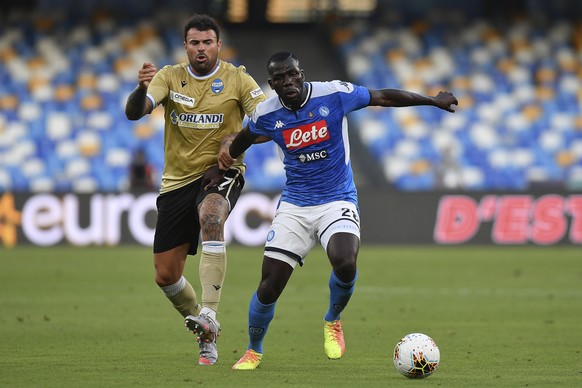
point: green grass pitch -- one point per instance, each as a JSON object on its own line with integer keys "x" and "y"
{"x": 502, "y": 316}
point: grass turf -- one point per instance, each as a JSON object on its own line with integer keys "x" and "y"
{"x": 502, "y": 316}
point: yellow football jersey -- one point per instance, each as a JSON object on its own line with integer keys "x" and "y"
{"x": 199, "y": 112}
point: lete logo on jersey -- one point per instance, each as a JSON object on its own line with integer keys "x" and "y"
{"x": 306, "y": 135}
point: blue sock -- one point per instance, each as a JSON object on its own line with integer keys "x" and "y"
{"x": 260, "y": 315}
{"x": 339, "y": 296}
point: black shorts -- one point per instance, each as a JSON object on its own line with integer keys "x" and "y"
{"x": 178, "y": 222}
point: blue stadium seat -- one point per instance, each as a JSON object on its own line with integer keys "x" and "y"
{"x": 518, "y": 121}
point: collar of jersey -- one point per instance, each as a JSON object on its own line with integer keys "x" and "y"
{"x": 207, "y": 75}
{"x": 307, "y": 97}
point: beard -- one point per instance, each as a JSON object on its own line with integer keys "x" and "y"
{"x": 202, "y": 67}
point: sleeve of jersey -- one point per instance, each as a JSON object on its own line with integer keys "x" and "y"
{"x": 353, "y": 97}
{"x": 251, "y": 93}
{"x": 254, "y": 125}
{"x": 158, "y": 89}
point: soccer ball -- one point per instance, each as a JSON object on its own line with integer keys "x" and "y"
{"x": 416, "y": 356}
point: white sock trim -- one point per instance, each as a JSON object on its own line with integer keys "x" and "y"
{"x": 175, "y": 288}
{"x": 214, "y": 246}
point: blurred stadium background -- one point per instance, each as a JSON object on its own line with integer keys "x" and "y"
{"x": 511, "y": 154}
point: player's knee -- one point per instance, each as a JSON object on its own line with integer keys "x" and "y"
{"x": 212, "y": 225}
{"x": 345, "y": 270}
{"x": 165, "y": 277}
{"x": 268, "y": 294}
{"x": 344, "y": 264}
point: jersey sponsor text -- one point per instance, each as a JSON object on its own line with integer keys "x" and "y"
{"x": 312, "y": 156}
{"x": 306, "y": 135}
{"x": 198, "y": 121}
{"x": 181, "y": 99}
{"x": 256, "y": 93}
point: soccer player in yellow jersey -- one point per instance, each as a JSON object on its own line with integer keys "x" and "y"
{"x": 204, "y": 99}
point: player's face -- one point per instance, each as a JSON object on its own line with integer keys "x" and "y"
{"x": 286, "y": 78}
{"x": 202, "y": 49}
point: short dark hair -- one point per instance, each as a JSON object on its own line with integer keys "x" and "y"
{"x": 202, "y": 23}
{"x": 280, "y": 57}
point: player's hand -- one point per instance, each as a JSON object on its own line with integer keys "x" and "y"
{"x": 444, "y": 100}
{"x": 225, "y": 161}
{"x": 212, "y": 177}
{"x": 146, "y": 74}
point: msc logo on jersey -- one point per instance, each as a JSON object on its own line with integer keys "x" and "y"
{"x": 217, "y": 86}
{"x": 181, "y": 99}
{"x": 312, "y": 156}
{"x": 306, "y": 135}
{"x": 197, "y": 120}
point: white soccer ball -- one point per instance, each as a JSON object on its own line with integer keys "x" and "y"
{"x": 416, "y": 356}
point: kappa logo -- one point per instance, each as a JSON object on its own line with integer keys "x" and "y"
{"x": 279, "y": 124}
{"x": 347, "y": 85}
{"x": 306, "y": 135}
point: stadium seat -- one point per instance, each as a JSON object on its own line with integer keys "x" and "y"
{"x": 519, "y": 100}
{"x": 519, "y": 121}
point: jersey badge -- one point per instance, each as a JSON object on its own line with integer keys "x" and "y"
{"x": 217, "y": 86}
{"x": 324, "y": 111}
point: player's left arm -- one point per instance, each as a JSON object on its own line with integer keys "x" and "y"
{"x": 402, "y": 98}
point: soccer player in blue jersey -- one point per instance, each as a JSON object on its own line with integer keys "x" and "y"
{"x": 319, "y": 202}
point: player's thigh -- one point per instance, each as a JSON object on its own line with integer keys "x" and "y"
{"x": 338, "y": 217}
{"x": 291, "y": 236}
{"x": 215, "y": 204}
{"x": 177, "y": 221}
{"x": 229, "y": 188}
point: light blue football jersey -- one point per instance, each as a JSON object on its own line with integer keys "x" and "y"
{"x": 313, "y": 141}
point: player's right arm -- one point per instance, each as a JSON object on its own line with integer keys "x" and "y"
{"x": 233, "y": 146}
{"x": 138, "y": 105}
